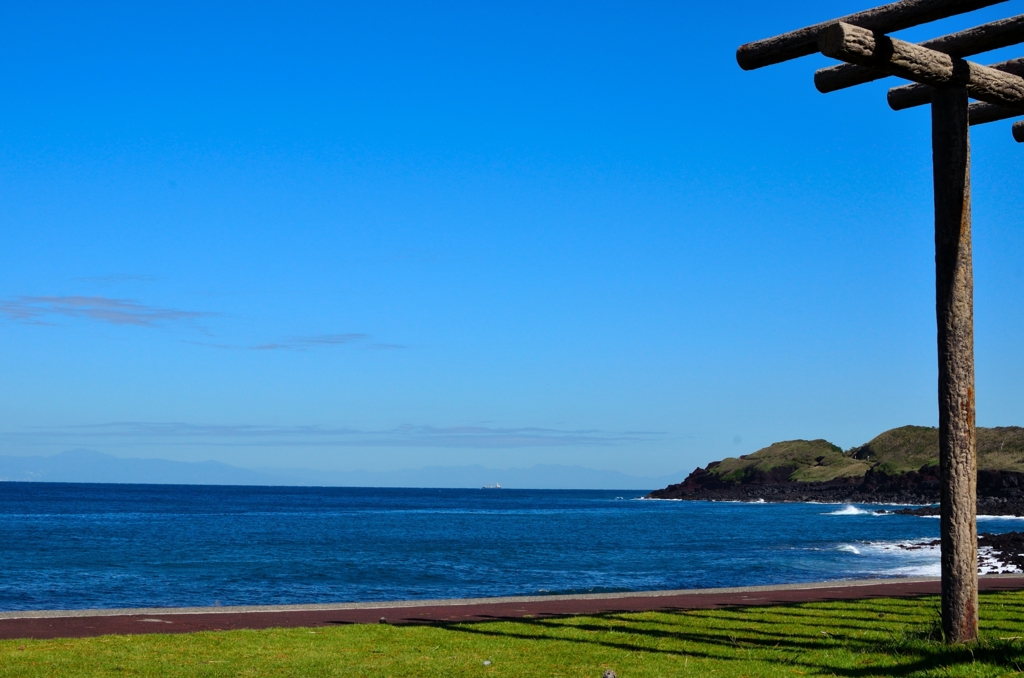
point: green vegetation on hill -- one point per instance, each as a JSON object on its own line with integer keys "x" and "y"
{"x": 854, "y": 638}
{"x": 908, "y": 448}
{"x": 898, "y": 450}
{"x": 1001, "y": 448}
{"x": 902, "y": 449}
{"x": 804, "y": 460}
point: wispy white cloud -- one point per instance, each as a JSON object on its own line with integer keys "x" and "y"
{"x": 305, "y": 343}
{"x": 45, "y": 310}
{"x": 116, "y": 278}
{"x": 211, "y": 344}
{"x": 41, "y": 310}
{"x": 250, "y": 435}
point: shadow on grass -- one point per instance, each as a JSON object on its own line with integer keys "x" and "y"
{"x": 862, "y": 638}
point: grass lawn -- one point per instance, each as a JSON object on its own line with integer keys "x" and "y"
{"x": 884, "y": 637}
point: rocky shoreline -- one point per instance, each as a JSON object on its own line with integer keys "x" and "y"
{"x": 997, "y": 553}
{"x": 1006, "y": 549}
{"x": 1000, "y": 493}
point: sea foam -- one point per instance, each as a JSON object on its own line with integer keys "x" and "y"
{"x": 849, "y": 510}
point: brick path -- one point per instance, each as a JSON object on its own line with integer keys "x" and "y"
{"x": 82, "y": 623}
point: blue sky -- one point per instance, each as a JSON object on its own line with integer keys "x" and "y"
{"x": 390, "y": 235}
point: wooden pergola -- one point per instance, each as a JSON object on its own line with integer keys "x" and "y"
{"x": 939, "y": 76}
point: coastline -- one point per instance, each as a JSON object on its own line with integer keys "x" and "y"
{"x": 923, "y": 509}
{"x": 340, "y": 548}
{"x": 999, "y": 493}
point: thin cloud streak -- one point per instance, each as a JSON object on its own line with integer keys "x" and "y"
{"x": 117, "y": 278}
{"x": 305, "y": 343}
{"x": 248, "y": 435}
{"x": 36, "y": 310}
{"x": 208, "y": 344}
{"x": 41, "y": 310}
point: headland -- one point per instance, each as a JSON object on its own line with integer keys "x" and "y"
{"x": 900, "y": 466}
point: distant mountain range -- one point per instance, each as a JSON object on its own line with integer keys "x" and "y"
{"x": 89, "y": 466}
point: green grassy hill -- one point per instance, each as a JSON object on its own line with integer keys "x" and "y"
{"x": 898, "y": 450}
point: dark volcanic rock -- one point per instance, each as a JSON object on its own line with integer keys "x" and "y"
{"x": 1007, "y": 551}
{"x": 999, "y": 492}
{"x": 898, "y": 466}
{"x": 1007, "y": 548}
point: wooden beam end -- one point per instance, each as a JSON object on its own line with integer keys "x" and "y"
{"x": 823, "y": 83}
{"x": 754, "y": 55}
{"x": 908, "y": 96}
{"x": 894, "y": 16}
{"x": 743, "y": 58}
{"x": 832, "y": 40}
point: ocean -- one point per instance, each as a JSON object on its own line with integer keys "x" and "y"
{"x": 72, "y": 546}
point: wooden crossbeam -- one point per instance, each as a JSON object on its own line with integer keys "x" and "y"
{"x": 919, "y": 64}
{"x": 947, "y": 81}
{"x": 908, "y": 96}
{"x": 885, "y": 19}
{"x": 984, "y": 38}
{"x": 980, "y": 113}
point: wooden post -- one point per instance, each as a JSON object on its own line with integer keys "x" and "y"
{"x": 954, "y": 306}
{"x": 860, "y": 40}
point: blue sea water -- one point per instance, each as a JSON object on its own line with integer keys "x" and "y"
{"x": 72, "y": 546}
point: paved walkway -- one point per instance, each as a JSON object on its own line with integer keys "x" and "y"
{"x": 82, "y": 623}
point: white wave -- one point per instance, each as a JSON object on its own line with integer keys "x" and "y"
{"x": 923, "y": 570}
{"x": 911, "y": 558}
{"x": 915, "y": 558}
{"x": 988, "y": 563}
{"x": 921, "y": 558}
{"x": 849, "y": 510}
{"x": 913, "y": 546}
